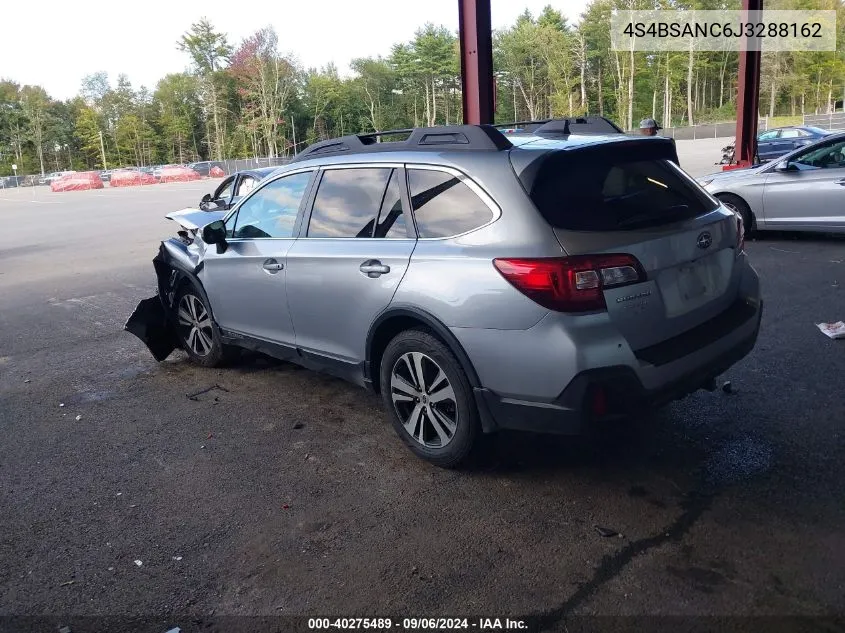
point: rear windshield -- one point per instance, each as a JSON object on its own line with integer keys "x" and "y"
{"x": 598, "y": 191}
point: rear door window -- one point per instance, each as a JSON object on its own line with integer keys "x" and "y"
{"x": 591, "y": 191}
{"x": 348, "y": 202}
{"x": 444, "y": 205}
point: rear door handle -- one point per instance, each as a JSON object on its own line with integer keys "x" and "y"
{"x": 374, "y": 268}
{"x": 840, "y": 182}
{"x": 272, "y": 266}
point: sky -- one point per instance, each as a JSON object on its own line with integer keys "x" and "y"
{"x": 58, "y": 44}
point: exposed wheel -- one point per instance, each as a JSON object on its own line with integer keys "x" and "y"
{"x": 738, "y": 205}
{"x": 429, "y": 398}
{"x": 197, "y": 331}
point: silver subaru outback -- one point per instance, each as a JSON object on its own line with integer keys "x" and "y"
{"x": 542, "y": 280}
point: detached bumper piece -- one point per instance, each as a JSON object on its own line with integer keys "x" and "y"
{"x": 149, "y": 323}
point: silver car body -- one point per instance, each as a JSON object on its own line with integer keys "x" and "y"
{"x": 311, "y": 300}
{"x": 788, "y": 194}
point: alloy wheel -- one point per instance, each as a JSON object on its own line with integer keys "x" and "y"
{"x": 195, "y": 325}
{"x": 424, "y": 400}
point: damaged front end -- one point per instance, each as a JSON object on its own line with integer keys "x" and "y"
{"x": 179, "y": 261}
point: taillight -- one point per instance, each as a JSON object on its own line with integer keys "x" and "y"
{"x": 571, "y": 284}
{"x": 740, "y": 234}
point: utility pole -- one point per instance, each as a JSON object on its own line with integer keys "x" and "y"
{"x": 103, "y": 150}
{"x": 293, "y": 129}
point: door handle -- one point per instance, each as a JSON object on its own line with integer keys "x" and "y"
{"x": 272, "y": 266}
{"x": 374, "y": 268}
{"x": 840, "y": 182}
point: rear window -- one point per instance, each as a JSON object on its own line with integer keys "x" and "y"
{"x": 595, "y": 191}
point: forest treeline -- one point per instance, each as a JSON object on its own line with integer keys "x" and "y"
{"x": 238, "y": 100}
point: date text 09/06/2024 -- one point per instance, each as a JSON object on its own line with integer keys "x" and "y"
{"x": 417, "y": 624}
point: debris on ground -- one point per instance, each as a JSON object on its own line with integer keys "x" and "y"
{"x": 298, "y": 425}
{"x": 210, "y": 436}
{"x": 832, "y": 330}
{"x": 195, "y": 396}
{"x": 118, "y": 494}
{"x": 78, "y": 418}
{"x": 65, "y": 629}
{"x": 285, "y": 506}
{"x": 139, "y": 563}
{"x": 202, "y": 446}
{"x": 174, "y": 630}
{"x": 727, "y": 387}
{"x": 61, "y": 404}
{"x": 606, "y": 532}
{"x": 177, "y": 558}
{"x": 67, "y": 583}
{"x": 26, "y": 380}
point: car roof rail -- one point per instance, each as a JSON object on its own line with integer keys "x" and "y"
{"x": 447, "y": 137}
{"x": 523, "y": 126}
{"x": 578, "y": 125}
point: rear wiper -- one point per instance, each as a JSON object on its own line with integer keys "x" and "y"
{"x": 650, "y": 216}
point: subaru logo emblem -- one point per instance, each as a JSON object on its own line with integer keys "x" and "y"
{"x": 704, "y": 240}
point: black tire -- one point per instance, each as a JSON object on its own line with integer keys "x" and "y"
{"x": 735, "y": 203}
{"x": 215, "y": 353}
{"x": 403, "y": 352}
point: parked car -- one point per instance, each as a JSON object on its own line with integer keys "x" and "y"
{"x": 802, "y": 191}
{"x": 477, "y": 281}
{"x": 233, "y": 188}
{"x": 55, "y": 175}
{"x": 204, "y": 167}
{"x": 774, "y": 143}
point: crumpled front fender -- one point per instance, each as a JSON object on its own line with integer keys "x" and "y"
{"x": 150, "y": 323}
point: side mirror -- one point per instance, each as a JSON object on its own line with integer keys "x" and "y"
{"x": 785, "y": 165}
{"x": 206, "y": 198}
{"x": 215, "y": 233}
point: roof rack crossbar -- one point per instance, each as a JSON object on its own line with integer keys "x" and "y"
{"x": 452, "y": 137}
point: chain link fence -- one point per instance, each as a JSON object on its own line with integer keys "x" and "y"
{"x": 833, "y": 121}
{"x": 229, "y": 166}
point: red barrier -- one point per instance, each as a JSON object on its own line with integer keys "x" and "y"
{"x": 178, "y": 174}
{"x": 78, "y": 181}
{"x": 131, "y": 178}
{"x": 216, "y": 172}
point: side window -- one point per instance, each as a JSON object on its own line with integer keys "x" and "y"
{"x": 246, "y": 185}
{"x": 347, "y": 202}
{"x": 790, "y": 133}
{"x": 828, "y": 156}
{"x": 443, "y": 205}
{"x": 272, "y": 211}
{"x": 224, "y": 189}
{"x": 768, "y": 136}
{"x": 391, "y": 219}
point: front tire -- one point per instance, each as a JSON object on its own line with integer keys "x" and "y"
{"x": 429, "y": 399}
{"x": 738, "y": 205}
{"x": 198, "y": 333}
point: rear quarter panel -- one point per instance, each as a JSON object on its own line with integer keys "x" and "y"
{"x": 454, "y": 279}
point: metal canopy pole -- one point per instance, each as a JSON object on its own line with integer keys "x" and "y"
{"x": 476, "y": 35}
{"x": 748, "y": 98}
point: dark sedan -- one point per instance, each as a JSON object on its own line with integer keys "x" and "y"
{"x": 775, "y": 143}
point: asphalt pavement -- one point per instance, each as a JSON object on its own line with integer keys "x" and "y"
{"x": 135, "y": 488}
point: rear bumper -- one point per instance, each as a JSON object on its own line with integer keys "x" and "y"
{"x": 624, "y": 389}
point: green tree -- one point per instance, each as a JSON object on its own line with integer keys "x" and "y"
{"x": 209, "y": 51}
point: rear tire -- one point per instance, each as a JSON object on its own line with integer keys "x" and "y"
{"x": 429, "y": 399}
{"x": 197, "y": 332}
{"x": 738, "y": 205}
